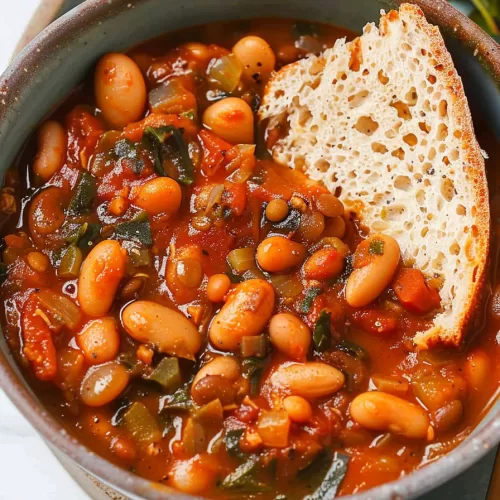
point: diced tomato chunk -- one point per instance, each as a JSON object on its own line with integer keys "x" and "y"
{"x": 413, "y": 293}
{"x": 373, "y": 321}
{"x": 214, "y": 152}
{"x": 38, "y": 344}
{"x": 235, "y": 197}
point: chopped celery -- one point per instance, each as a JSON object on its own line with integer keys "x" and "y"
{"x": 141, "y": 424}
{"x": 242, "y": 259}
{"x": 310, "y": 295}
{"x": 140, "y": 257}
{"x": 254, "y": 346}
{"x": 210, "y": 413}
{"x": 193, "y": 437}
{"x": 61, "y": 307}
{"x": 167, "y": 374}
{"x": 288, "y": 286}
{"x": 70, "y": 263}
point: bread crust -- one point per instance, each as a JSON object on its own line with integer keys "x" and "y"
{"x": 459, "y": 110}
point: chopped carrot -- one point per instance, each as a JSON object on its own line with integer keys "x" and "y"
{"x": 215, "y": 150}
{"x": 413, "y": 293}
{"x": 373, "y": 321}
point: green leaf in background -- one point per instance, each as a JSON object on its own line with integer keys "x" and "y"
{"x": 485, "y": 13}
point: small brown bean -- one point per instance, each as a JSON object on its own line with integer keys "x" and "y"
{"x": 189, "y": 272}
{"x": 329, "y": 205}
{"x": 214, "y": 387}
{"x": 277, "y": 210}
{"x": 256, "y": 56}
{"x": 217, "y": 287}
{"x": 312, "y": 225}
{"x": 103, "y": 384}
{"x": 38, "y": 261}
{"x": 335, "y": 227}
{"x": 277, "y": 253}
{"x": 325, "y": 263}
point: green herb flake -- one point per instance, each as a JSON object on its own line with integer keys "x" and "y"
{"x": 376, "y": 247}
{"x": 180, "y": 400}
{"x": 232, "y": 442}
{"x": 310, "y": 295}
{"x": 156, "y": 138}
{"x": 333, "y": 478}
{"x": 243, "y": 479}
{"x": 84, "y": 195}
{"x": 252, "y": 369}
{"x": 124, "y": 149}
{"x": 138, "y": 229}
{"x": 322, "y": 331}
{"x": 351, "y": 348}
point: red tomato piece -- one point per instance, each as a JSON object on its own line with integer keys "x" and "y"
{"x": 38, "y": 347}
{"x": 235, "y": 197}
{"x": 214, "y": 152}
{"x": 413, "y": 293}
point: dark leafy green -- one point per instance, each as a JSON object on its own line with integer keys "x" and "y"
{"x": 333, "y": 478}
{"x": 84, "y": 195}
{"x": 232, "y": 442}
{"x": 310, "y": 295}
{"x": 124, "y": 149}
{"x": 322, "y": 331}
{"x": 179, "y": 400}
{"x": 167, "y": 373}
{"x": 157, "y": 138}
{"x": 352, "y": 349}
{"x": 252, "y": 369}
{"x": 85, "y": 235}
{"x": 138, "y": 229}
{"x": 243, "y": 479}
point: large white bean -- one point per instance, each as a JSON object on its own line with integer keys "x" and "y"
{"x": 168, "y": 330}
{"x": 309, "y": 380}
{"x": 52, "y": 143}
{"x": 375, "y": 262}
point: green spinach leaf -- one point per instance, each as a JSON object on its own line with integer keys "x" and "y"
{"x": 333, "y": 478}
{"x": 138, "y": 229}
{"x": 84, "y": 195}
{"x": 310, "y": 295}
{"x": 322, "y": 331}
{"x": 179, "y": 400}
{"x": 243, "y": 479}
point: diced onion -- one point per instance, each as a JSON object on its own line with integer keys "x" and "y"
{"x": 141, "y": 424}
{"x": 273, "y": 427}
{"x": 226, "y": 71}
{"x": 392, "y": 385}
{"x": 287, "y": 286}
{"x": 63, "y": 308}
{"x": 242, "y": 259}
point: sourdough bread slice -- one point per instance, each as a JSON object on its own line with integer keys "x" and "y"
{"x": 384, "y": 123}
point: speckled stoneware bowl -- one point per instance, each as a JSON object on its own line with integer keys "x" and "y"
{"x": 57, "y": 60}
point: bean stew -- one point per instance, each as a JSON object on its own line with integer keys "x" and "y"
{"x": 209, "y": 319}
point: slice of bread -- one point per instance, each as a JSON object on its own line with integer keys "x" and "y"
{"x": 384, "y": 123}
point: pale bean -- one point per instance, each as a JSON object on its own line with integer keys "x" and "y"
{"x": 120, "y": 90}
{"x": 379, "y": 411}
{"x": 245, "y": 313}
{"x": 329, "y": 205}
{"x": 217, "y": 287}
{"x": 277, "y": 210}
{"x": 102, "y": 384}
{"x": 224, "y": 366}
{"x": 167, "y": 329}
{"x": 190, "y": 476}
{"x": 185, "y": 272}
{"x": 309, "y": 380}
{"x": 161, "y": 195}
{"x": 290, "y": 335}
{"x": 256, "y": 56}
{"x": 100, "y": 276}
{"x": 298, "y": 408}
{"x": 231, "y": 119}
{"x": 277, "y": 253}
{"x": 52, "y": 143}
{"x": 99, "y": 341}
{"x": 375, "y": 262}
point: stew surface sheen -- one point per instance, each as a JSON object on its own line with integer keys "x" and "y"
{"x": 211, "y": 320}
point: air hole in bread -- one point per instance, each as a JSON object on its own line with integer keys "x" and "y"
{"x": 420, "y": 196}
{"x": 431, "y": 79}
{"x": 322, "y": 165}
{"x": 382, "y": 78}
{"x": 366, "y": 125}
{"x": 424, "y": 127}
{"x": 411, "y": 97}
{"x": 457, "y": 134}
{"x": 437, "y": 262}
{"x": 432, "y": 153}
{"x": 377, "y": 147}
{"x": 402, "y": 109}
{"x": 447, "y": 189}
{"x": 406, "y": 46}
{"x": 317, "y": 66}
{"x": 443, "y": 108}
{"x": 402, "y": 182}
{"x": 446, "y": 161}
{"x": 356, "y": 57}
{"x": 424, "y": 231}
{"x": 411, "y": 140}
{"x": 454, "y": 154}
{"x": 394, "y": 212}
{"x": 398, "y": 153}
{"x": 299, "y": 163}
{"x": 358, "y": 99}
{"x": 278, "y": 94}
{"x": 455, "y": 248}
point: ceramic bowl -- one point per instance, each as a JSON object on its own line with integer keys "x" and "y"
{"x": 57, "y": 60}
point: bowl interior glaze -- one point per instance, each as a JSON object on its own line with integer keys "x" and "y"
{"x": 57, "y": 60}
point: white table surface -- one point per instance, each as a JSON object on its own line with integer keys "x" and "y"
{"x": 28, "y": 469}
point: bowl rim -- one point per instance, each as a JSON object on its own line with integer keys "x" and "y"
{"x": 420, "y": 481}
